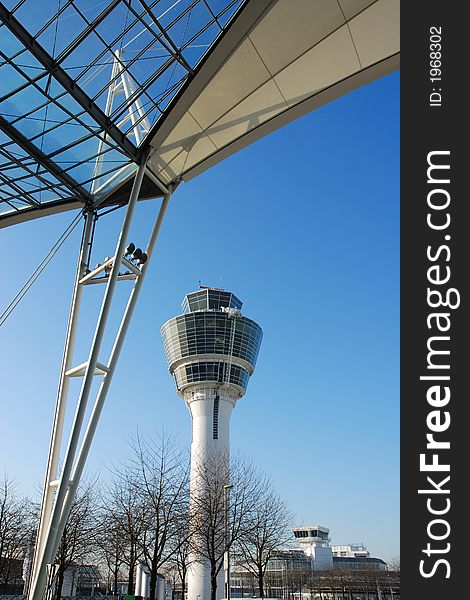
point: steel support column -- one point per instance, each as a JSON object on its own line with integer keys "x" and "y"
{"x": 101, "y": 396}
{"x": 55, "y": 512}
{"x": 62, "y": 395}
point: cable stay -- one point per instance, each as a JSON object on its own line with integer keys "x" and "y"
{"x": 39, "y": 269}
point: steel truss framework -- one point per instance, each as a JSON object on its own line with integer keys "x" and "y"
{"x": 57, "y": 67}
{"x": 61, "y": 484}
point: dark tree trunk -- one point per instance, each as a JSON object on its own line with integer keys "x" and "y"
{"x": 261, "y": 582}
{"x": 213, "y": 583}
{"x": 153, "y": 584}
{"x": 115, "y": 574}
{"x": 6, "y": 576}
{"x": 183, "y": 582}
{"x": 59, "y": 583}
{"x": 130, "y": 579}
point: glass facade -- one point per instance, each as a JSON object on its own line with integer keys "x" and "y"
{"x": 310, "y": 533}
{"x": 217, "y": 371}
{"x": 211, "y": 338}
{"x": 55, "y": 120}
{"x": 211, "y": 332}
{"x": 289, "y": 560}
{"x": 352, "y": 563}
{"x": 210, "y": 299}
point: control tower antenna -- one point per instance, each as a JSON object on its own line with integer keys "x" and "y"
{"x": 211, "y": 351}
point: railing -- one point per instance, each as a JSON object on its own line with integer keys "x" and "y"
{"x": 23, "y": 597}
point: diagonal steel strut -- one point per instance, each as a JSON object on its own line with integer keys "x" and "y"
{"x": 60, "y": 488}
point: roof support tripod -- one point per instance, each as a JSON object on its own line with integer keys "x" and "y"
{"x": 60, "y": 487}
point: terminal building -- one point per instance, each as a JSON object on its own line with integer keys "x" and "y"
{"x": 314, "y": 540}
{"x": 317, "y": 565}
{"x": 313, "y": 556}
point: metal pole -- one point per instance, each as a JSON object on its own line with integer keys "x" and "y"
{"x": 113, "y": 177}
{"x": 107, "y": 111}
{"x": 53, "y": 534}
{"x": 227, "y": 489}
{"x": 96, "y": 412}
{"x": 62, "y": 395}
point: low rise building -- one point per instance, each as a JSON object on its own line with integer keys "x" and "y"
{"x": 317, "y": 567}
{"x": 314, "y": 540}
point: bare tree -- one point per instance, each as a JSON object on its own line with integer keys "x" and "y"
{"x": 111, "y": 541}
{"x": 122, "y": 524}
{"x": 77, "y": 541}
{"x": 178, "y": 565}
{"x": 215, "y": 527}
{"x": 394, "y": 565}
{"x": 311, "y": 581}
{"x": 266, "y": 529}
{"x": 160, "y": 477}
{"x": 180, "y": 562}
{"x": 16, "y": 525}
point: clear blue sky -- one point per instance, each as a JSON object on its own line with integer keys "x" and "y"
{"x": 304, "y": 227}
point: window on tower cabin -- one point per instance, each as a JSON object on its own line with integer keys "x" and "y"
{"x": 215, "y": 419}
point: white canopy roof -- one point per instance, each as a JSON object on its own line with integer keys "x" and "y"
{"x": 280, "y": 60}
{"x": 209, "y": 77}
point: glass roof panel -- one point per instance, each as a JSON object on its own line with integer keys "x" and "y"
{"x": 23, "y": 183}
{"x": 84, "y": 83}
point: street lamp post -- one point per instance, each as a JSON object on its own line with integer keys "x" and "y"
{"x": 227, "y": 489}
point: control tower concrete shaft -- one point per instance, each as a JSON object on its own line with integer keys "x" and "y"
{"x": 211, "y": 351}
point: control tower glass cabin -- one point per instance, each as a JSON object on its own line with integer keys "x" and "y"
{"x": 211, "y": 344}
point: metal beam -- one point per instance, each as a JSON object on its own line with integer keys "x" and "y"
{"x": 61, "y": 488}
{"x": 16, "y": 163}
{"x": 114, "y": 357}
{"x": 25, "y": 196}
{"x": 248, "y": 14}
{"x": 43, "y": 160}
{"x": 86, "y": 32}
{"x": 29, "y": 214}
{"x": 170, "y": 46}
{"x": 61, "y": 402}
{"x": 157, "y": 181}
{"x": 71, "y": 86}
{"x": 53, "y": 522}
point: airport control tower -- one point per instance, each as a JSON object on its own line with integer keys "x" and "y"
{"x": 211, "y": 351}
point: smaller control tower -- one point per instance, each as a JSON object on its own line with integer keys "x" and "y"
{"x": 211, "y": 351}
{"x": 314, "y": 540}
